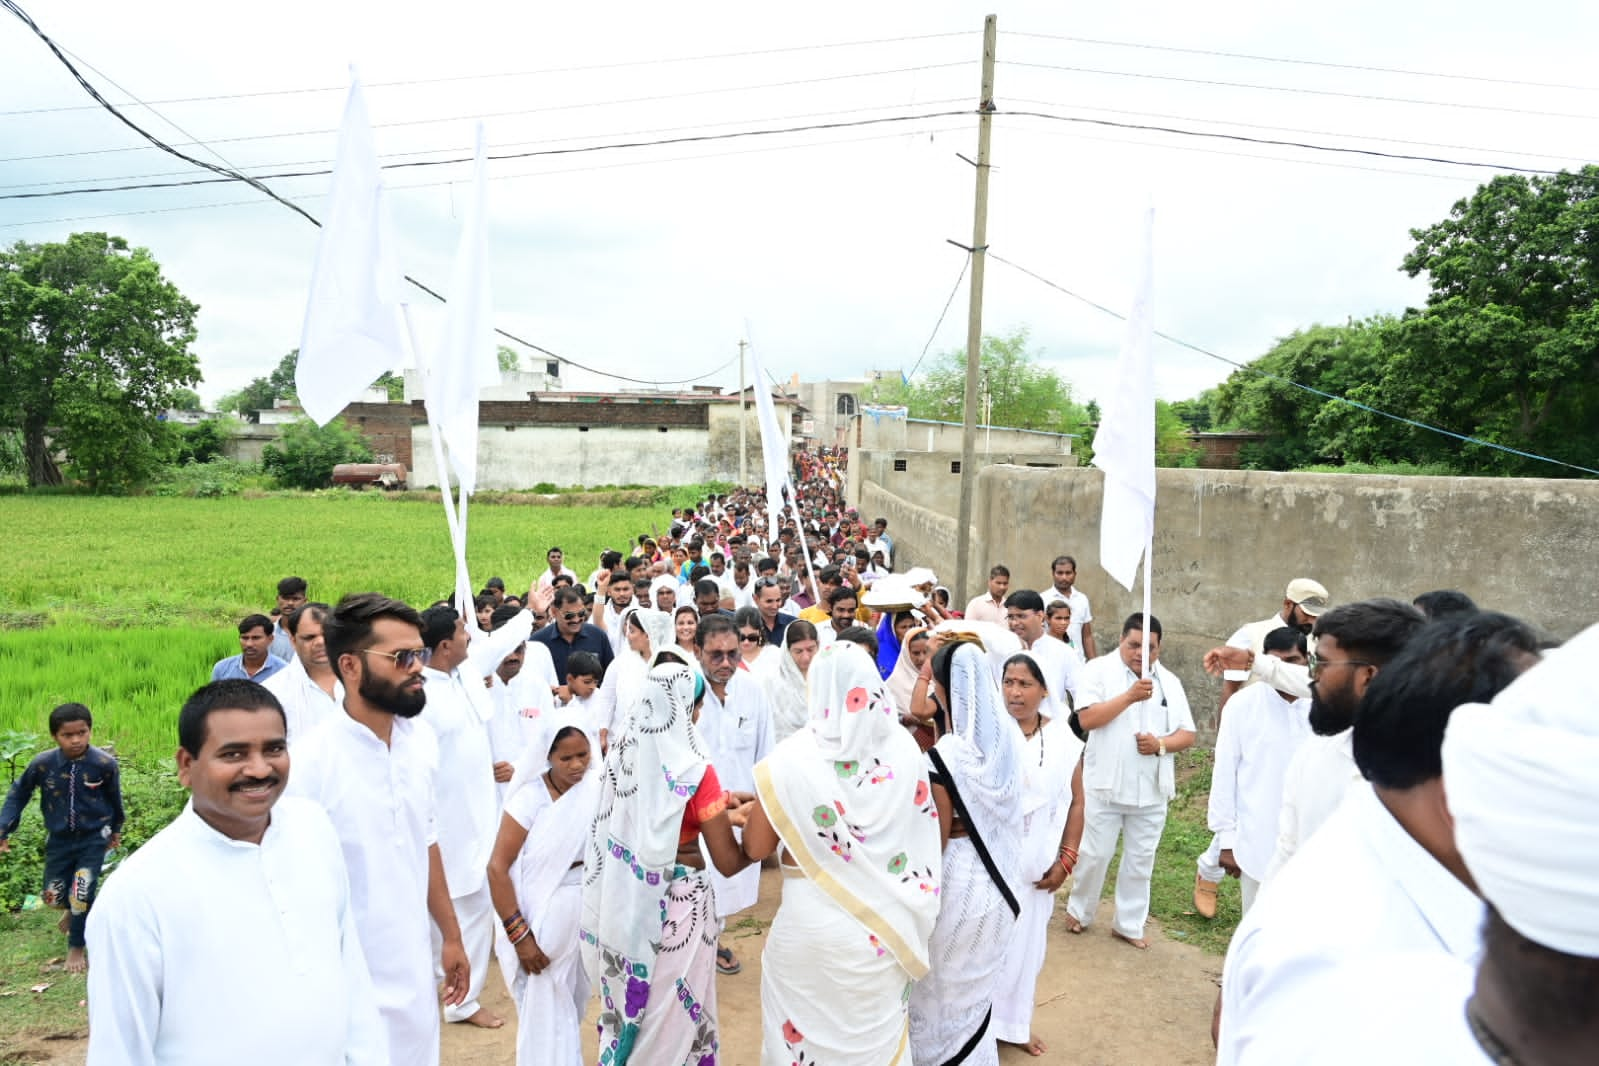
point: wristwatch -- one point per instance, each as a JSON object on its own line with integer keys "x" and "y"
{"x": 1162, "y": 746}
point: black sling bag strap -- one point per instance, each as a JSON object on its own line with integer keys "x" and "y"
{"x": 973, "y": 835}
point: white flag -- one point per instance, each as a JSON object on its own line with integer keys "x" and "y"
{"x": 1124, "y": 446}
{"x": 466, "y": 361}
{"x": 352, "y": 332}
{"x": 774, "y": 445}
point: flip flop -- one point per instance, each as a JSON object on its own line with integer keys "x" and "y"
{"x": 726, "y": 963}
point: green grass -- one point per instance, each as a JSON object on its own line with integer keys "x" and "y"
{"x": 29, "y": 945}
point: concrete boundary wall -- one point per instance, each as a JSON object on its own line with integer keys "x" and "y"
{"x": 1228, "y": 542}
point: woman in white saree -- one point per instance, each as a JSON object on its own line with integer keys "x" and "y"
{"x": 536, "y": 883}
{"x": 977, "y": 766}
{"x": 1052, "y": 827}
{"x": 644, "y": 633}
{"x": 785, "y": 684}
{"x": 850, "y": 803}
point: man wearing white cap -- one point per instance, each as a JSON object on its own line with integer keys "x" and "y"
{"x": 1384, "y": 874}
{"x": 1521, "y": 792}
{"x": 1303, "y": 603}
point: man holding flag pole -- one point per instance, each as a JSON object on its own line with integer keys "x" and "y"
{"x": 1135, "y": 710}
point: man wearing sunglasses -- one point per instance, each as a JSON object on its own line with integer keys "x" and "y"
{"x": 371, "y": 768}
{"x": 571, "y": 631}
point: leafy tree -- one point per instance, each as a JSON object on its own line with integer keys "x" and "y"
{"x": 394, "y": 384}
{"x": 306, "y": 454}
{"x": 1022, "y": 394}
{"x": 204, "y": 441}
{"x": 509, "y": 359}
{"x": 93, "y": 341}
{"x": 263, "y": 393}
{"x": 1174, "y": 444}
{"x": 184, "y": 400}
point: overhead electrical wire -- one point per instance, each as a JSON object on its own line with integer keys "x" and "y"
{"x": 459, "y": 150}
{"x": 1300, "y": 91}
{"x": 1366, "y": 68}
{"x": 94, "y": 93}
{"x": 966, "y": 261}
{"x": 564, "y": 107}
{"x": 657, "y": 61}
{"x": 1464, "y": 438}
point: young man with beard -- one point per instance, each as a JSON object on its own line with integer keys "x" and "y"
{"x": 613, "y": 594}
{"x": 1384, "y": 874}
{"x": 231, "y": 933}
{"x": 459, "y": 710}
{"x": 372, "y": 770}
{"x": 308, "y": 690}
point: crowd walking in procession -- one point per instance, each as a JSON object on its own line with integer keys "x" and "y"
{"x": 571, "y": 788}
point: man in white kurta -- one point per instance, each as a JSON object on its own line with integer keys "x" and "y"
{"x": 459, "y": 711}
{"x": 736, "y": 722}
{"x": 1024, "y": 614}
{"x": 372, "y": 769}
{"x": 1257, "y": 740}
{"x": 307, "y": 688}
{"x": 1134, "y": 727}
{"x": 171, "y": 982}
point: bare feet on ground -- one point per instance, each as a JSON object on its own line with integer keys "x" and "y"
{"x": 1034, "y": 1046}
{"x": 1072, "y": 925}
{"x": 1136, "y": 941}
{"x": 483, "y": 1019}
{"x": 77, "y": 961}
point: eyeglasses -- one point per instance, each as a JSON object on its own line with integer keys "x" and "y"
{"x": 721, "y": 656}
{"x": 1316, "y": 664}
{"x": 572, "y": 616}
{"x": 405, "y": 658}
{"x": 749, "y": 638}
{"x": 766, "y": 583}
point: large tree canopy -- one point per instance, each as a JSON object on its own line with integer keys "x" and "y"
{"x": 93, "y": 343}
{"x": 1505, "y": 350}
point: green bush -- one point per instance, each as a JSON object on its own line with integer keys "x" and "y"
{"x": 545, "y": 487}
{"x": 307, "y": 453}
{"x": 202, "y": 442}
{"x": 205, "y": 480}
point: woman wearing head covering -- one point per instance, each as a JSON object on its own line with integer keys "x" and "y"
{"x": 644, "y": 633}
{"x": 663, "y": 593}
{"x": 649, "y": 923}
{"x": 785, "y": 685}
{"x": 848, "y": 799}
{"x": 536, "y": 882}
{"x": 976, "y": 767}
{"x": 1051, "y": 812}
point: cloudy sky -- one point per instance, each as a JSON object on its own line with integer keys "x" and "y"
{"x": 827, "y": 249}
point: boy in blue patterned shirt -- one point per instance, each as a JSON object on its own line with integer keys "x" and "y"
{"x": 80, "y": 796}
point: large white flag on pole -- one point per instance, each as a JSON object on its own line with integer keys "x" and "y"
{"x": 774, "y": 447}
{"x": 466, "y": 361}
{"x": 1124, "y": 446}
{"x": 464, "y": 364}
{"x": 352, "y": 331}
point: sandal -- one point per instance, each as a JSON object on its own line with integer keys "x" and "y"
{"x": 726, "y": 963}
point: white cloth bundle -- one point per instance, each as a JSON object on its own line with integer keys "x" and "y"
{"x": 1522, "y": 777}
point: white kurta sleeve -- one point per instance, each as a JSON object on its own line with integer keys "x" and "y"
{"x": 368, "y": 1041}
{"x": 1222, "y": 815}
{"x": 1241, "y": 638}
{"x": 125, "y": 981}
{"x": 484, "y": 654}
{"x": 1291, "y": 678}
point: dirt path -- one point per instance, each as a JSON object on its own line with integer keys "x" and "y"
{"x": 1100, "y": 1002}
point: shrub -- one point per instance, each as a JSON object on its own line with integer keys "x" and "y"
{"x": 205, "y": 480}
{"x": 307, "y": 453}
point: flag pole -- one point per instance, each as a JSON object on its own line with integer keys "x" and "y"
{"x": 1149, "y": 554}
{"x": 457, "y": 543}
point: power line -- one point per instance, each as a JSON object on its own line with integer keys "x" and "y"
{"x": 1291, "y": 129}
{"x": 1310, "y": 62}
{"x": 966, "y": 261}
{"x": 1272, "y": 142}
{"x": 228, "y": 176}
{"x": 514, "y": 144}
{"x": 94, "y": 93}
{"x": 660, "y": 61}
{"x": 1301, "y": 91}
{"x": 1289, "y": 381}
{"x": 655, "y": 98}
{"x": 493, "y": 177}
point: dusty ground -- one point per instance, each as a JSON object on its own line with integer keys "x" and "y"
{"x": 1100, "y": 1002}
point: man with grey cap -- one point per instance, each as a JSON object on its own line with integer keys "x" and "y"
{"x": 1303, "y": 603}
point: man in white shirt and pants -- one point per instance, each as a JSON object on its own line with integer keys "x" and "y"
{"x": 231, "y": 935}
{"x": 1384, "y": 874}
{"x": 372, "y": 770}
{"x": 1135, "y": 726}
{"x": 1024, "y": 613}
{"x": 736, "y": 722}
{"x": 1254, "y": 745}
{"x": 307, "y": 688}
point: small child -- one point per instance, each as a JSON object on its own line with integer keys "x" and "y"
{"x": 81, "y": 800}
{"x": 574, "y": 701}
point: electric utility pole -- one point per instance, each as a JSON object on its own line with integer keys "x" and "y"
{"x": 974, "y": 314}
{"x": 743, "y": 418}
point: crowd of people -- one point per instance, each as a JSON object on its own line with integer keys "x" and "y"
{"x": 583, "y": 781}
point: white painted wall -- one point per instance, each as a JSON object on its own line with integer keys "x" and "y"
{"x": 524, "y": 456}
